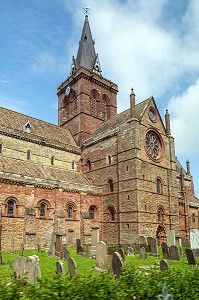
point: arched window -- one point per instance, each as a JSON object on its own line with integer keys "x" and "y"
{"x": 105, "y": 107}
{"x": 73, "y": 165}
{"x": 111, "y": 185}
{"x": 109, "y": 160}
{"x": 94, "y": 98}
{"x": 160, "y": 214}
{"x": 28, "y": 155}
{"x": 92, "y": 212}
{"x": 88, "y": 165}
{"x": 52, "y": 160}
{"x": 71, "y": 210}
{"x": 10, "y": 207}
{"x": 111, "y": 213}
{"x": 158, "y": 186}
{"x": 42, "y": 210}
{"x": 193, "y": 218}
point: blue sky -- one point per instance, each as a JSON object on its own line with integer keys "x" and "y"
{"x": 151, "y": 46}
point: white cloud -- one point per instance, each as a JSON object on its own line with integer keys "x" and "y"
{"x": 184, "y": 119}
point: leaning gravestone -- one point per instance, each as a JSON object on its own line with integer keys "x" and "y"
{"x": 190, "y": 256}
{"x": 185, "y": 242}
{"x": 165, "y": 250}
{"x": 72, "y": 267}
{"x": 154, "y": 247}
{"x": 121, "y": 252}
{"x": 143, "y": 254}
{"x": 101, "y": 257}
{"x": 65, "y": 253}
{"x": 116, "y": 264}
{"x": 174, "y": 253}
{"x": 164, "y": 266}
{"x": 60, "y": 269}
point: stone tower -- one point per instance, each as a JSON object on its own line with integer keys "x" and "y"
{"x": 86, "y": 98}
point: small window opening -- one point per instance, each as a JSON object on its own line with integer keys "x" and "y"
{"x": 52, "y": 161}
{"x": 73, "y": 165}
{"x": 111, "y": 185}
{"x": 1, "y": 148}
{"x": 42, "y": 210}
{"x": 158, "y": 186}
{"x": 109, "y": 160}
{"x": 10, "y": 207}
{"x": 92, "y": 212}
{"x": 28, "y": 155}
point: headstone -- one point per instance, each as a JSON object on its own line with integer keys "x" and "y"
{"x": 27, "y": 268}
{"x": 72, "y": 267}
{"x": 190, "y": 256}
{"x": 165, "y": 250}
{"x": 65, "y": 253}
{"x": 185, "y": 242}
{"x": 130, "y": 251}
{"x": 60, "y": 269}
{"x": 51, "y": 251}
{"x": 12, "y": 245}
{"x": 154, "y": 247}
{"x": 142, "y": 242}
{"x": 194, "y": 238}
{"x": 195, "y": 252}
{"x": 143, "y": 254}
{"x": 116, "y": 264}
{"x": 70, "y": 236}
{"x": 58, "y": 245}
{"x": 164, "y": 266}
{"x": 174, "y": 253}
{"x": 101, "y": 257}
{"x": 94, "y": 239}
{"x": 149, "y": 241}
{"x": 38, "y": 248}
{"x": 121, "y": 252}
{"x": 171, "y": 238}
{"x": 78, "y": 246}
{"x": 21, "y": 249}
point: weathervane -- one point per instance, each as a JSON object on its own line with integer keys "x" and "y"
{"x": 86, "y": 10}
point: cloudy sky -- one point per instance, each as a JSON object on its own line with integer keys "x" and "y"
{"x": 150, "y": 45}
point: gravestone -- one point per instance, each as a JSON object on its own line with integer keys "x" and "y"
{"x": 21, "y": 249}
{"x": 171, "y": 238}
{"x": 185, "y": 242}
{"x": 121, "y": 252}
{"x": 94, "y": 239}
{"x": 174, "y": 253}
{"x": 47, "y": 238}
{"x": 58, "y": 245}
{"x": 27, "y": 268}
{"x": 154, "y": 247}
{"x": 101, "y": 257}
{"x": 142, "y": 242}
{"x": 143, "y": 254}
{"x": 194, "y": 238}
{"x": 149, "y": 241}
{"x": 38, "y": 248}
{"x": 195, "y": 252}
{"x": 72, "y": 267}
{"x": 65, "y": 253}
{"x": 116, "y": 264}
{"x": 60, "y": 269}
{"x": 51, "y": 251}
{"x": 165, "y": 250}
{"x": 79, "y": 248}
{"x": 164, "y": 266}
{"x": 70, "y": 236}
{"x": 190, "y": 256}
{"x": 130, "y": 251}
{"x": 12, "y": 245}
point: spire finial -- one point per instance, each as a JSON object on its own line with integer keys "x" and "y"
{"x": 86, "y": 10}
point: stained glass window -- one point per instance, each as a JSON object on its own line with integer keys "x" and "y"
{"x": 152, "y": 144}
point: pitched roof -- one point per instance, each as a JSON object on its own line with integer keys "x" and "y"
{"x": 13, "y": 123}
{"x": 86, "y": 56}
{"x": 46, "y": 176}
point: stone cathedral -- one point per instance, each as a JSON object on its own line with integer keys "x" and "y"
{"x": 95, "y": 168}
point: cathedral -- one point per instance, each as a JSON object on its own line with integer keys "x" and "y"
{"x": 98, "y": 168}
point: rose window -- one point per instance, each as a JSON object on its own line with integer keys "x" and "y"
{"x": 152, "y": 144}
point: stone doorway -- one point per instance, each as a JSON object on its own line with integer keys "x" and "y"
{"x": 161, "y": 234}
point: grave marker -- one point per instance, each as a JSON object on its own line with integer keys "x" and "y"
{"x": 174, "y": 253}
{"x": 60, "y": 269}
{"x": 116, "y": 264}
{"x": 165, "y": 250}
{"x": 164, "y": 266}
{"x": 190, "y": 256}
{"x": 72, "y": 267}
{"x": 101, "y": 257}
{"x": 143, "y": 254}
{"x": 121, "y": 252}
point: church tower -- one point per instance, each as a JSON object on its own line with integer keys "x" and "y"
{"x": 86, "y": 98}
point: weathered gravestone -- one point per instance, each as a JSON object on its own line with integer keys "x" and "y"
{"x": 142, "y": 242}
{"x": 51, "y": 251}
{"x": 72, "y": 267}
{"x": 121, "y": 252}
{"x": 195, "y": 252}
{"x": 94, "y": 239}
{"x": 185, "y": 242}
{"x": 27, "y": 268}
{"x": 171, "y": 240}
{"x": 79, "y": 248}
{"x": 164, "y": 266}
{"x": 12, "y": 245}
{"x": 130, "y": 251}
{"x": 101, "y": 257}
{"x": 165, "y": 250}
{"x": 65, "y": 253}
{"x": 154, "y": 247}
{"x": 149, "y": 241}
{"x": 60, "y": 269}
{"x": 38, "y": 248}
{"x": 21, "y": 249}
{"x": 174, "y": 253}
{"x": 116, "y": 264}
{"x": 190, "y": 256}
{"x": 143, "y": 254}
{"x": 194, "y": 238}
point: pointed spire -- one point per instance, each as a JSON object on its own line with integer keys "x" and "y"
{"x": 132, "y": 103}
{"x": 167, "y": 122}
{"x": 86, "y": 56}
{"x": 188, "y": 167}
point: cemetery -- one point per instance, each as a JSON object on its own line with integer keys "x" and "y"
{"x": 101, "y": 271}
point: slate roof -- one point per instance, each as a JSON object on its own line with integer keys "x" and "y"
{"x": 20, "y": 171}
{"x": 12, "y": 123}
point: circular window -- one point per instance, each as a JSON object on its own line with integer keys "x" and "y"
{"x": 152, "y": 114}
{"x": 153, "y": 144}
